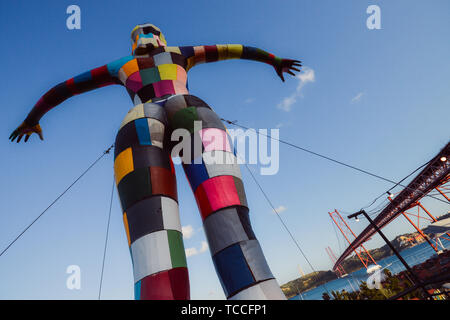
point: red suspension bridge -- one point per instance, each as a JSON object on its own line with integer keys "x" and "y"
{"x": 434, "y": 176}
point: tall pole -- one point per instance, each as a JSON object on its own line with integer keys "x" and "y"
{"x": 408, "y": 268}
{"x": 362, "y": 246}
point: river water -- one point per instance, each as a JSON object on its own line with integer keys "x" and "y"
{"x": 413, "y": 256}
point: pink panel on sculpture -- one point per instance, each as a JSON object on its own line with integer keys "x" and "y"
{"x": 164, "y": 87}
{"x": 215, "y": 139}
{"x": 181, "y": 74}
{"x": 134, "y": 82}
{"x": 180, "y": 87}
{"x": 211, "y": 197}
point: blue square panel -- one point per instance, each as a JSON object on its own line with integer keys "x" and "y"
{"x": 232, "y": 269}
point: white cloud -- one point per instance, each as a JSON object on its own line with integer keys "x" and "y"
{"x": 187, "y": 231}
{"x": 193, "y": 251}
{"x": 356, "y": 98}
{"x": 286, "y": 104}
{"x": 307, "y": 75}
{"x": 280, "y": 209}
{"x": 204, "y": 247}
{"x": 190, "y": 252}
{"x": 249, "y": 100}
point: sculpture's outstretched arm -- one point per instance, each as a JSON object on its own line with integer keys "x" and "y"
{"x": 90, "y": 80}
{"x": 201, "y": 54}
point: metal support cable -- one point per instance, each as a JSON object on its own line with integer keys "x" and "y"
{"x": 283, "y": 223}
{"x": 333, "y": 160}
{"x": 106, "y": 240}
{"x": 51, "y": 204}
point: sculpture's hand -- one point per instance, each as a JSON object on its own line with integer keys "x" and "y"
{"x": 27, "y": 130}
{"x": 286, "y": 65}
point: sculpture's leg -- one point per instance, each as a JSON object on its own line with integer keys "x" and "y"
{"x": 219, "y": 191}
{"x": 146, "y": 183}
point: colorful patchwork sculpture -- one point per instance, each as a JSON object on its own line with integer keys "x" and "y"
{"x": 155, "y": 76}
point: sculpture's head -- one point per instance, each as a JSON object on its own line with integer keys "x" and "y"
{"x": 146, "y": 37}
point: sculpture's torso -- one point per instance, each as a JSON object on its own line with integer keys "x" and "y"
{"x": 159, "y": 74}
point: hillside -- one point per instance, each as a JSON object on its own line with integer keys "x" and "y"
{"x": 307, "y": 282}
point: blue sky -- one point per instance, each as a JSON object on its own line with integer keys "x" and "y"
{"x": 377, "y": 99}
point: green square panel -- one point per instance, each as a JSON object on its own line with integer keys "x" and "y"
{"x": 185, "y": 118}
{"x": 149, "y": 76}
{"x": 177, "y": 254}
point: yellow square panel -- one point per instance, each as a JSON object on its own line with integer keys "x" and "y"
{"x": 222, "y": 49}
{"x": 168, "y": 71}
{"x": 162, "y": 38}
{"x": 172, "y": 49}
{"x": 234, "y": 51}
{"x": 123, "y": 164}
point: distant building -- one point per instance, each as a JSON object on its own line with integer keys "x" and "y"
{"x": 419, "y": 238}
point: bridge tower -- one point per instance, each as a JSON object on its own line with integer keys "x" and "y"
{"x": 361, "y": 252}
